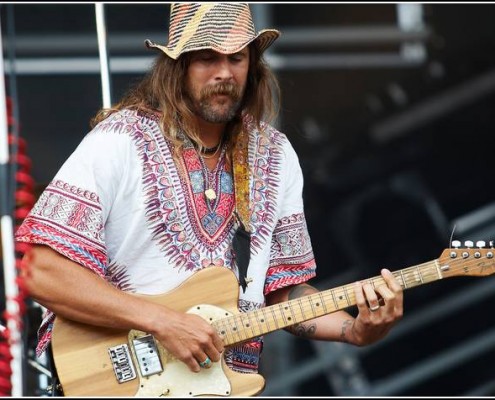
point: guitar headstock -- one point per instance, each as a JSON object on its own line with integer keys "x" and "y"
{"x": 468, "y": 260}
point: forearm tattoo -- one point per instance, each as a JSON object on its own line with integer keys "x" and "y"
{"x": 303, "y": 329}
{"x": 346, "y": 325}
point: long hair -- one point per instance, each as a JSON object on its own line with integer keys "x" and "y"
{"x": 163, "y": 90}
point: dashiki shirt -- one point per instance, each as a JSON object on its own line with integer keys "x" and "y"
{"x": 120, "y": 207}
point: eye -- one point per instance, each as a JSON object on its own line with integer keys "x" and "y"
{"x": 238, "y": 57}
{"x": 204, "y": 56}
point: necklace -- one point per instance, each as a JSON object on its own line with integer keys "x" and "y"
{"x": 211, "y": 150}
{"x": 211, "y": 177}
{"x": 202, "y": 154}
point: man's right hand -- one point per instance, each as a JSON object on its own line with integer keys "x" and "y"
{"x": 189, "y": 338}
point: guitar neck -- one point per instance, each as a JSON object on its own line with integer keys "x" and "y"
{"x": 245, "y": 326}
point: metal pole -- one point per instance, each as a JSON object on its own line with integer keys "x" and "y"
{"x": 102, "y": 47}
{"x": 9, "y": 268}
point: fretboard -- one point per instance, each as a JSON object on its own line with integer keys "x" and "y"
{"x": 245, "y": 326}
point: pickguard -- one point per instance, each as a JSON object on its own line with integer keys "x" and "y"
{"x": 176, "y": 380}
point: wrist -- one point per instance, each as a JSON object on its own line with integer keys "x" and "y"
{"x": 348, "y": 333}
{"x": 354, "y": 335}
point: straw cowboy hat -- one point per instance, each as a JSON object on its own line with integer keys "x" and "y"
{"x": 224, "y": 27}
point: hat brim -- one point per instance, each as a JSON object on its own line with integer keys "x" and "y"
{"x": 263, "y": 40}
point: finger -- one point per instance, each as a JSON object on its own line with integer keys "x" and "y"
{"x": 391, "y": 280}
{"x": 205, "y": 363}
{"x": 387, "y": 296}
{"x": 193, "y": 363}
{"x": 394, "y": 286}
{"x": 371, "y": 297}
{"x": 218, "y": 343}
{"x": 212, "y": 352}
{"x": 360, "y": 299}
{"x": 197, "y": 359}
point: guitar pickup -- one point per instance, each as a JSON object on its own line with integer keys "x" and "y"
{"x": 122, "y": 363}
{"x": 147, "y": 355}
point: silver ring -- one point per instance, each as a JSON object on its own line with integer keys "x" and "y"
{"x": 206, "y": 363}
{"x": 375, "y": 307}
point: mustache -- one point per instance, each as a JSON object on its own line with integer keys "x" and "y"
{"x": 223, "y": 88}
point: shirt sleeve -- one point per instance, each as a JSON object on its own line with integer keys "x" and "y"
{"x": 70, "y": 214}
{"x": 291, "y": 254}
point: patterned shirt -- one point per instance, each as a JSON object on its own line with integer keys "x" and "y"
{"x": 121, "y": 207}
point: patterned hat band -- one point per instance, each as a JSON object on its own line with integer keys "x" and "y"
{"x": 224, "y": 27}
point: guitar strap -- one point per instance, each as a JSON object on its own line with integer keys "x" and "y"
{"x": 242, "y": 238}
{"x": 55, "y": 388}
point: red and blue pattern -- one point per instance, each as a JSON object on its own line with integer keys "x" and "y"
{"x": 69, "y": 220}
{"x": 211, "y": 221}
{"x": 291, "y": 254}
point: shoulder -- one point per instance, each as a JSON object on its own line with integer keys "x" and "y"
{"x": 127, "y": 122}
{"x": 271, "y": 137}
{"x": 267, "y": 133}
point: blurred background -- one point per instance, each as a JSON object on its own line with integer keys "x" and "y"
{"x": 390, "y": 108}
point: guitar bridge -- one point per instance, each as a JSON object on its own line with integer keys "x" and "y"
{"x": 122, "y": 363}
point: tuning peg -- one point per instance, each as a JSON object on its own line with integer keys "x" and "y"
{"x": 491, "y": 243}
{"x": 468, "y": 243}
{"x": 480, "y": 243}
{"x": 456, "y": 243}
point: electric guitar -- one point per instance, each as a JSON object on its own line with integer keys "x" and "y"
{"x": 96, "y": 361}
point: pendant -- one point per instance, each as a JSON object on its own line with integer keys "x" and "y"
{"x": 210, "y": 194}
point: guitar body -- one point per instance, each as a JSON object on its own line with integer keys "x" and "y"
{"x": 85, "y": 367}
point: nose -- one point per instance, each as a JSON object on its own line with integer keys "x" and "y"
{"x": 224, "y": 69}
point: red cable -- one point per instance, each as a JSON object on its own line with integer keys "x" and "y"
{"x": 24, "y": 201}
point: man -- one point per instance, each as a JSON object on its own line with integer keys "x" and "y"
{"x": 183, "y": 174}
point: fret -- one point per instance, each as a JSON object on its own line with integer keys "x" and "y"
{"x": 310, "y": 299}
{"x": 404, "y": 280}
{"x": 272, "y": 309}
{"x": 299, "y": 301}
{"x": 412, "y": 277}
{"x": 397, "y": 275}
{"x": 255, "y": 326}
{"x": 249, "y": 324}
{"x": 438, "y": 269}
{"x": 340, "y": 298}
{"x": 346, "y": 295}
{"x": 236, "y": 328}
{"x": 418, "y": 271}
{"x": 319, "y": 304}
{"x": 226, "y": 332}
{"x": 265, "y": 319}
{"x": 334, "y": 300}
{"x": 417, "y": 277}
{"x": 352, "y": 295}
{"x": 288, "y": 307}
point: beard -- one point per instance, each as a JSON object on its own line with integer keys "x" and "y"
{"x": 215, "y": 110}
